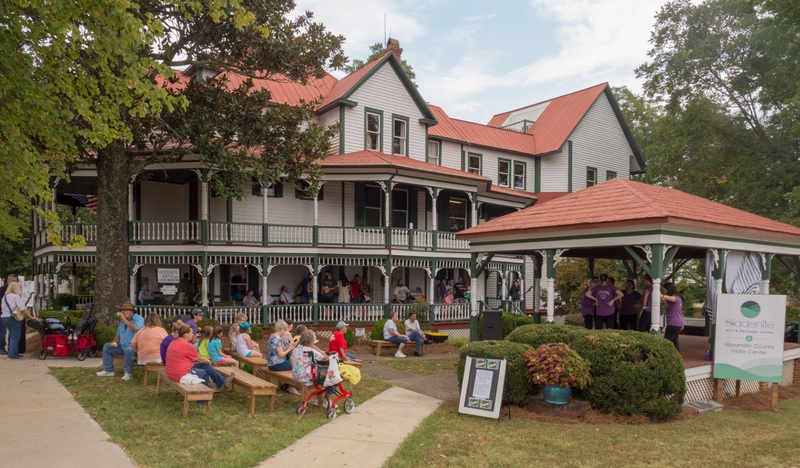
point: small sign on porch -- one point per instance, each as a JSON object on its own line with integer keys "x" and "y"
{"x": 169, "y": 275}
{"x": 169, "y": 290}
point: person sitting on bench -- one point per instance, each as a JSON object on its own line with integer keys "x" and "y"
{"x": 245, "y": 346}
{"x": 414, "y": 332}
{"x": 185, "y": 365}
{"x": 147, "y": 341}
{"x": 390, "y": 334}
{"x": 338, "y": 343}
{"x": 129, "y": 324}
{"x": 303, "y": 356}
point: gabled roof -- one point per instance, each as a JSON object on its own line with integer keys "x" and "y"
{"x": 344, "y": 89}
{"x": 373, "y": 159}
{"x": 480, "y": 135}
{"x": 644, "y": 204}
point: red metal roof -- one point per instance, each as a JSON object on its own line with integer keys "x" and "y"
{"x": 508, "y": 191}
{"x": 621, "y": 202}
{"x": 544, "y": 197}
{"x": 558, "y": 120}
{"x": 343, "y": 86}
{"x": 369, "y": 158}
{"x": 478, "y": 134}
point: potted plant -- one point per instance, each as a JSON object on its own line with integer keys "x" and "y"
{"x": 557, "y": 368}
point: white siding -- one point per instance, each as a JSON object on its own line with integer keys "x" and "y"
{"x": 330, "y": 208}
{"x": 349, "y": 204}
{"x": 291, "y": 210}
{"x": 217, "y": 208}
{"x": 554, "y": 171}
{"x": 529, "y": 113}
{"x": 163, "y": 201}
{"x": 451, "y": 155}
{"x": 327, "y": 119}
{"x": 598, "y": 141}
{"x": 385, "y": 92}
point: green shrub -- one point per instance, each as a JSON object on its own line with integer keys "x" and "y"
{"x": 632, "y": 373}
{"x": 104, "y": 334}
{"x": 457, "y": 342}
{"x": 377, "y": 329}
{"x": 574, "y": 319}
{"x": 510, "y": 322}
{"x": 207, "y": 322}
{"x": 517, "y": 387}
{"x": 792, "y": 313}
{"x": 535, "y": 335}
{"x": 74, "y": 315}
{"x": 256, "y": 332}
{"x": 350, "y": 337}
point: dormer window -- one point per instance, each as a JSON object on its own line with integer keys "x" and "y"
{"x": 373, "y": 136}
{"x": 399, "y": 135}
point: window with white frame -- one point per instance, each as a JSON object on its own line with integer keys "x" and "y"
{"x": 433, "y": 152}
{"x": 503, "y": 168}
{"x": 591, "y": 177}
{"x": 373, "y": 131}
{"x": 519, "y": 176}
{"x": 474, "y": 163}
{"x": 399, "y": 137}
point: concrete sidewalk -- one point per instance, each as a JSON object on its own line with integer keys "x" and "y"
{"x": 366, "y": 438}
{"x": 44, "y": 426}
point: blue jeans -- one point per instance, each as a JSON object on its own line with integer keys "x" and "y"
{"x": 351, "y": 355}
{"x": 15, "y": 331}
{"x": 285, "y": 365}
{"x": 206, "y": 371}
{"x": 398, "y": 340}
{"x": 416, "y": 336}
{"x": 109, "y": 353}
{"x": 2, "y": 335}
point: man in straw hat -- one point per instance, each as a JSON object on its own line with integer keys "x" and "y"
{"x": 129, "y": 324}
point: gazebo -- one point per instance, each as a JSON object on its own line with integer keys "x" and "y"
{"x": 644, "y": 225}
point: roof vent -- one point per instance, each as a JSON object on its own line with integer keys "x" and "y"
{"x": 393, "y": 45}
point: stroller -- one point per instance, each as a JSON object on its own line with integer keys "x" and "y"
{"x": 337, "y": 392}
{"x": 60, "y": 337}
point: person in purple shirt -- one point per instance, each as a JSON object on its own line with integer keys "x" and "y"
{"x": 674, "y": 313}
{"x": 605, "y": 295}
{"x": 176, "y": 327}
{"x": 629, "y": 311}
{"x": 647, "y": 302}
{"x": 587, "y": 306}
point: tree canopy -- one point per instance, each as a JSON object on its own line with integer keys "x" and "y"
{"x": 376, "y": 51}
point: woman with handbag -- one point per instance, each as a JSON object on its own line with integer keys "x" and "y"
{"x": 13, "y": 314}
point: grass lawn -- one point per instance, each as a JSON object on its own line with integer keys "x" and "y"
{"x": 728, "y": 438}
{"x": 423, "y": 366}
{"x": 152, "y": 431}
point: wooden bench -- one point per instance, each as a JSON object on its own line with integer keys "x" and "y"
{"x": 196, "y": 392}
{"x": 286, "y": 377}
{"x": 255, "y": 362}
{"x": 148, "y": 367}
{"x": 377, "y": 345}
{"x": 252, "y": 384}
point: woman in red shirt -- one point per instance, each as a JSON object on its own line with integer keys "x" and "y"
{"x": 183, "y": 361}
{"x": 338, "y": 344}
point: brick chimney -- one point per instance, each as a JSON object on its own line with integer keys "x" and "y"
{"x": 393, "y": 45}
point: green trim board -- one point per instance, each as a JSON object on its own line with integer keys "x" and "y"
{"x": 369, "y": 110}
{"x": 402, "y": 119}
{"x": 569, "y": 166}
{"x": 404, "y": 79}
{"x": 537, "y": 175}
{"x": 509, "y": 173}
{"x": 341, "y": 130}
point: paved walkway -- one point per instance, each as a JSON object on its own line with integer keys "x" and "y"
{"x": 365, "y": 438}
{"x": 43, "y": 426}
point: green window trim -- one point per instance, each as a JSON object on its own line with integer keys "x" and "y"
{"x": 591, "y": 169}
{"x": 537, "y": 175}
{"x": 341, "y": 130}
{"x": 427, "y": 150}
{"x": 368, "y": 110}
{"x": 611, "y": 175}
{"x": 509, "y": 172}
{"x": 403, "y": 119}
{"x": 480, "y": 162}
{"x": 524, "y": 175}
{"x": 569, "y": 166}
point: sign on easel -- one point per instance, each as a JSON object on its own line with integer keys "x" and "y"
{"x": 748, "y": 344}
{"x": 482, "y": 387}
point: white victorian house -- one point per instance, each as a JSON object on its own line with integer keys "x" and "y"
{"x": 401, "y": 179}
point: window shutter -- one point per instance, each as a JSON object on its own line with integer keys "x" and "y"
{"x": 413, "y": 208}
{"x": 360, "y": 210}
{"x": 278, "y": 189}
{"x": 225, "y": 282}
{"x": 443, "y": 210}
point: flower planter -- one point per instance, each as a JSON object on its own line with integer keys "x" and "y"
{"x": 556, "y": 395}
{"x": 437, "y": 337}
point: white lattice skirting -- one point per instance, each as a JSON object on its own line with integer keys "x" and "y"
{"x": 701, "y": 387}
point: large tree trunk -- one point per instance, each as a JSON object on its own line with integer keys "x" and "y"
{"x": 111, "y": 275}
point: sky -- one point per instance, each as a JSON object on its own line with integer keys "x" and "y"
{"x": 480, "y": 58}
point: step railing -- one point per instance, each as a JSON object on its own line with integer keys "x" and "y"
{"x": 165, "y": 231}
{"x": 236, "y": 233}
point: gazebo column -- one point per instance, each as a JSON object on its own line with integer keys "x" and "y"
{"x": 537, "y": 289}
{"x": 550, "y": 258}
{"x": 658, "y": 256}
{"x": 434, "y": 216}
{"x": 766, "y": 273}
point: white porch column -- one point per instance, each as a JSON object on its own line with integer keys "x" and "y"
{"x": 551, "y": 300}
{"x": 431, "y": 285}
{"x": 264, "y": 211}
{"x": 131, "y": 209}
{"x": 387, "y": 204}
{"x": 474, "y": 204}
{"x": 434, "y": 216}
{"x": 476, "y": 292}
{"x": 204, "y": 198}
{"x": 316, "y": 210}
{"x": 387, "y": 286}
{"x": 204, "y": 290}
{"x": 264, "y": 286}
{"x": 764, "y": 286}
{"x": 655, "y": 310}
{"x": 315, "y": 285}
{"x": 133, "y": 298}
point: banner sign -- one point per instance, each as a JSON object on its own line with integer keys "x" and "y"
{"x": 482, "y": 386}
{"x": 169, "y": 275}
{"x": 748, "y": 343}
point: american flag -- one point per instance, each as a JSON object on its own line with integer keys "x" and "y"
{"x": 87, "y": 200}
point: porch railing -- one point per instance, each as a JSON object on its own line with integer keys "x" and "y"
{"x": 297, "y": 313}
{"x": 240, "y": 233}
{"x": 282, "y": 234}
{"x": 350, "y": 312}
{"x": 451, "y": 312}
{"x": 163, "y": 311}
{"x": 447, "y": 240}
{"x": 227, "y": 314}
{"x": 165, "y": 231}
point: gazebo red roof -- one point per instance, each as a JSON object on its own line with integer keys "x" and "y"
{"x": 621, "y": 202}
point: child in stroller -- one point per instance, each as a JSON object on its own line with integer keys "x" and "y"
{"x": 60, "y": 337}
{"x": 310, "y": 367}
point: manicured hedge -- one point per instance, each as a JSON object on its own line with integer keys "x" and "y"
{"x": 536, "y": 335}
{"x": 377, "y": 329}
{"x": 510, "y": 322}
{"x": 350, "y": 337}
{"x": 518, "y": 385}
{"x": 632, "y": 373}
{"x": 74, "y": 315}
{"x": 104, "y": 334}
{"x": 256, "y": 332}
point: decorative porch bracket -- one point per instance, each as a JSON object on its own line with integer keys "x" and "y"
{"x": 478, "y": 266}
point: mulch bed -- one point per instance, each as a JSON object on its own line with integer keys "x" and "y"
{"x": 761, "y": 401}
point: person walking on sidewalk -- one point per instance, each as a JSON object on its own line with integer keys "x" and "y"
{"x": 129, "y": 324}
{"x": 390, "y": 334}
{"x": 13, "y": 300}
{"x": 12, "y": 278}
